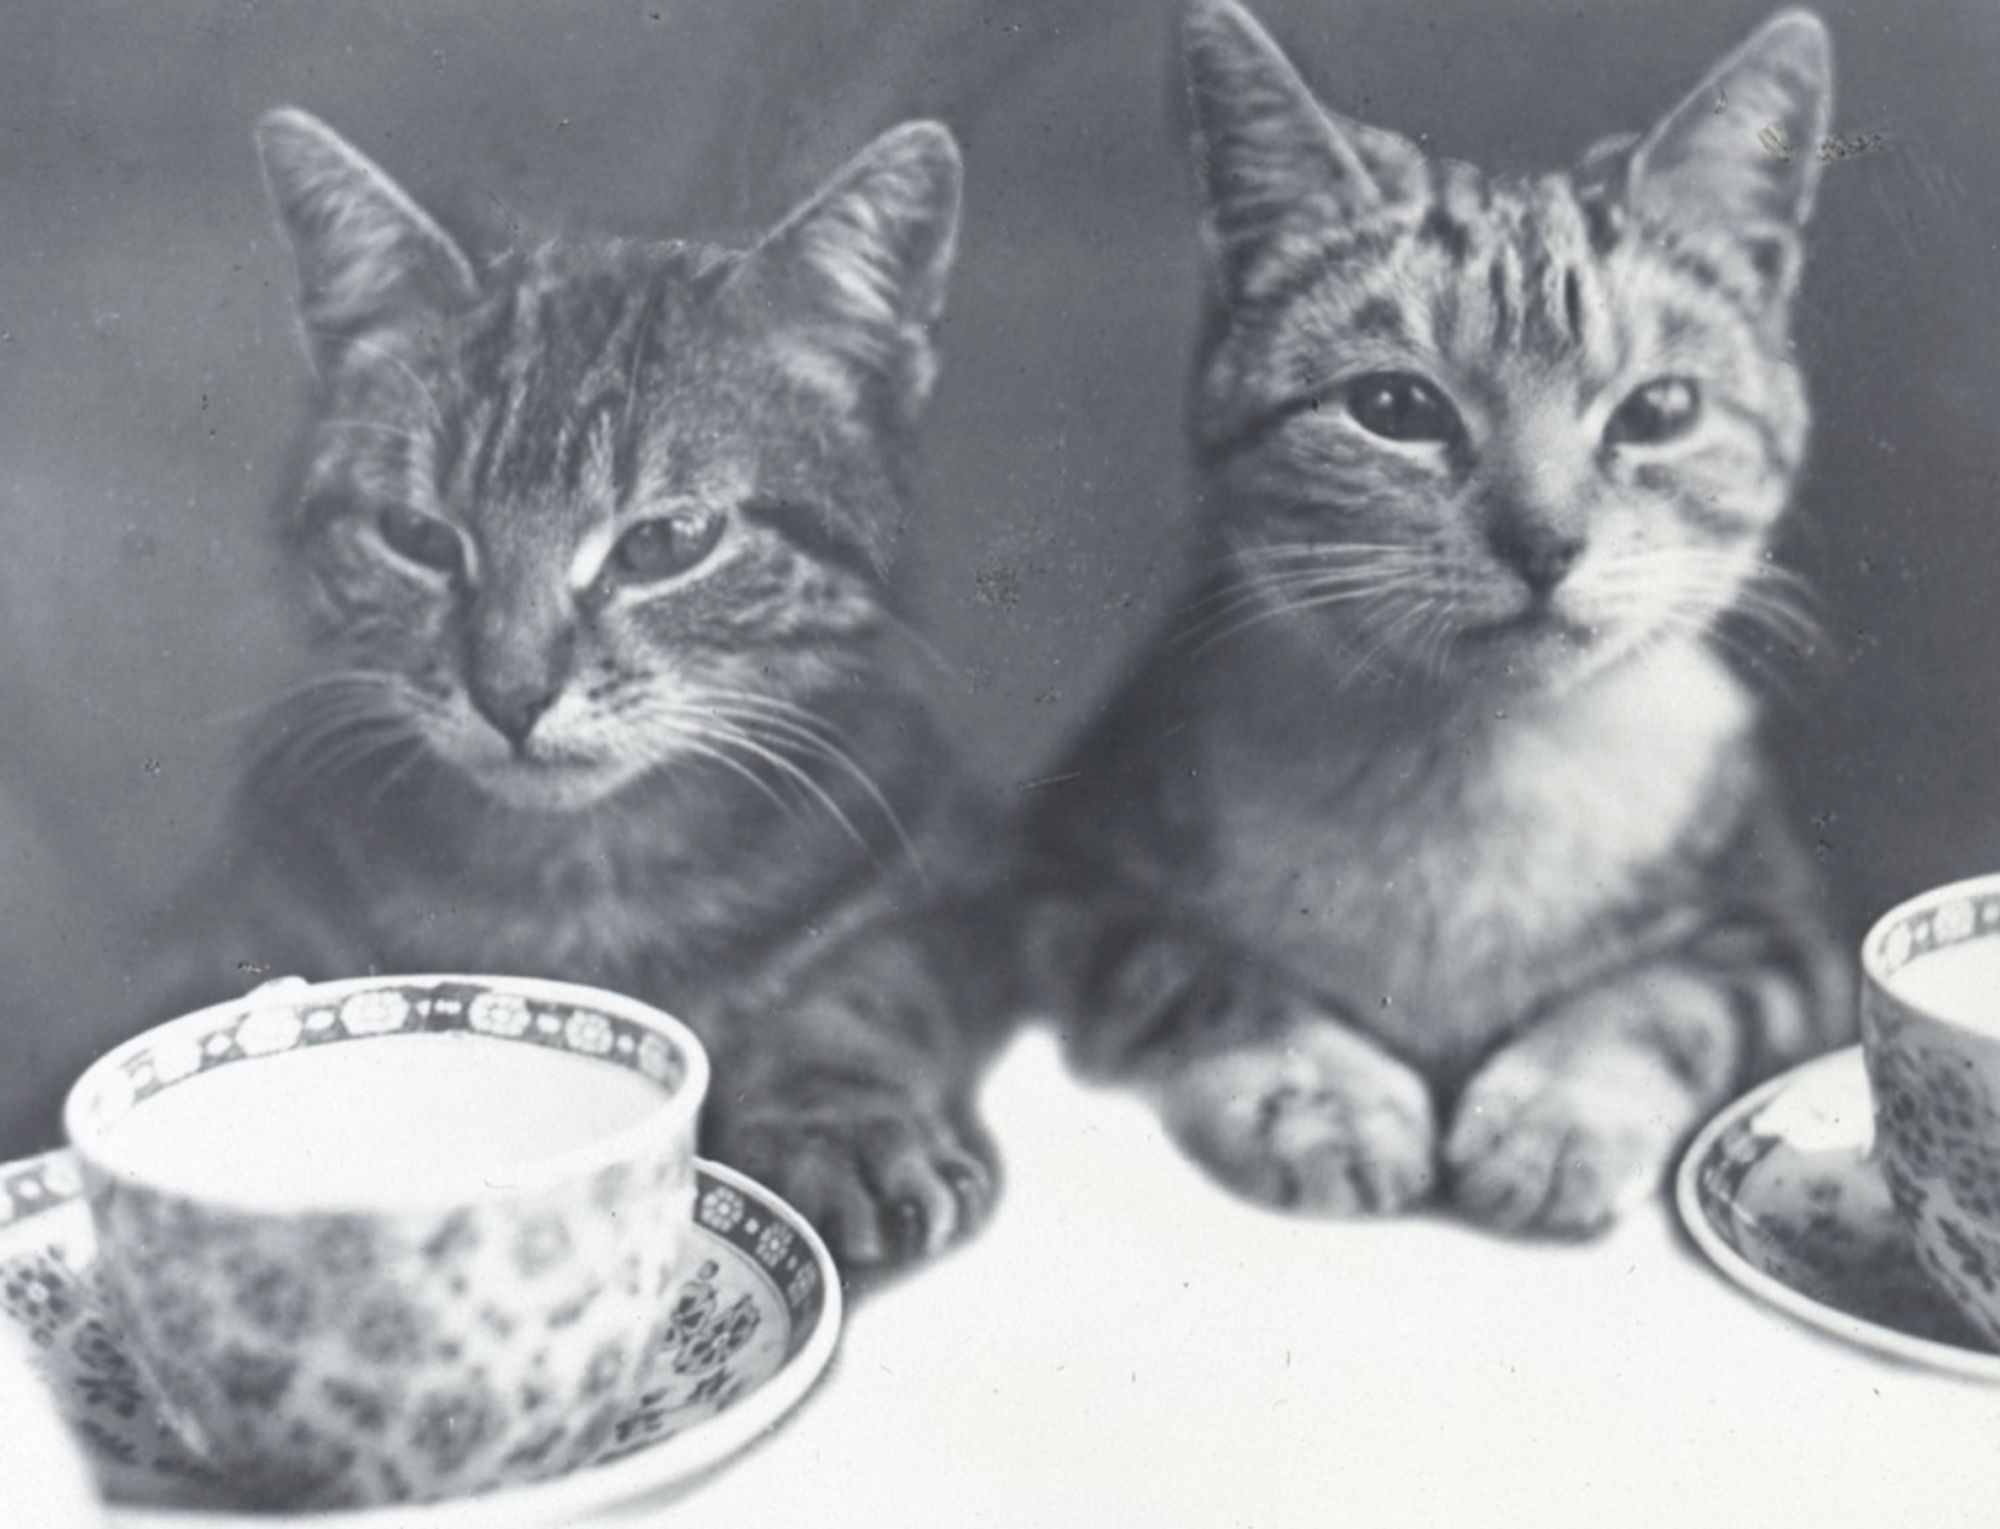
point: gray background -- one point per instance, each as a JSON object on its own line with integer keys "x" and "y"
{"x": 151, "y": 387}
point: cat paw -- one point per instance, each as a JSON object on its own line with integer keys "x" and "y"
{"x": 1533, "y": 1152}
{"x": 1318, "y": 1121}
{"x": 886, "y": 1183}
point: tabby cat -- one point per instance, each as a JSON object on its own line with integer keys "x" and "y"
{"x": 608, "y": 685}
{"x": 1433, "y": 850}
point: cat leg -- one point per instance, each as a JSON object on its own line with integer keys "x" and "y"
{"x": 1313, "y": 1118}
{"x": 851, "y": 1095}
{"x": 887, "y": 1178}
{"x": 1566, "y": 1125}
{"x": 1258, "y": 1080}
{"x": 1582, "y": 1113}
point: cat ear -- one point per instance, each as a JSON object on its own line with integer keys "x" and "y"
{"x": 1742, "y": 152}
{"x": 858, "y": 270}
{"x": 366, "y": 253}
{"x": 1274, "y": 164}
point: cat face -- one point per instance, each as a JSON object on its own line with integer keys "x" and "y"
{"x": 1478, "y": 425}
{"x": 603, "y": 506}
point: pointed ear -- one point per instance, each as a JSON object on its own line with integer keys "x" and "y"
{"x": 1274, "y": 165}
{"x": 858, "y": 270}
{"x": 1742, "y": 152}
{"x": 366, "y": 253}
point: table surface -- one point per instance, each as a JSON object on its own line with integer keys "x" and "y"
{"x": 1127, "y": 1345}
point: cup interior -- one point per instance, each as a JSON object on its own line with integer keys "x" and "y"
{"x": 1937, "y": 956}
{"x": 387, "y": 1093}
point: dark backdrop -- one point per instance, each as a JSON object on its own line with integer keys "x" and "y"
{"x": 150, "y": 385}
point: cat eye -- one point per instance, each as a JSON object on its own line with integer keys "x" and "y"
{"x": 1664, "y": 409}
{"x": 1401, "y": 406}
{"x": 422, "y": 539}
{"x": 662, "y": 546}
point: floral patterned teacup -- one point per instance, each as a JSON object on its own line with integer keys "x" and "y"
{"x": 1930, "y": 1026}
{"x": 394, "y": 1239}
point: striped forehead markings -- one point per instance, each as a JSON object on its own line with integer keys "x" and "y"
{"x": 1440, "y": 230}
{"x": 1516, "y": 260}
{"x": 1573, "y": 311}
{"x": 1378, "y": 242}
{"x": 567, "y": 384}
{"x": 1516, "y": 263}
{"x": 1500, "y": 284}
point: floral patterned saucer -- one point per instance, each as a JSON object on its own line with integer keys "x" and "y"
{"x": 1780, "y": 1192}
{"x": 757, "y": 1316}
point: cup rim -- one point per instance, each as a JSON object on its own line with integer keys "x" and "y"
{"x": 94, "y": 1142}
{"x": 1874, "y": 945}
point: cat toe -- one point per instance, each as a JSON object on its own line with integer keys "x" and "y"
{"x": 1541, "y": 1158}
{"x": 884, "y": 1188}
{"x": 1301, "y": 1130}
{"x": 820, "y": 1180}
{"x": 932, "y": 1194}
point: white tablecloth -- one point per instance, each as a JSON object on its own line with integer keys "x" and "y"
{"x": 1126, "y": 1345}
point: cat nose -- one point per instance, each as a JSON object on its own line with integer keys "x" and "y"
{"x": 1541, "y": 554}
{"x": 514, "y": 709}
{"x": 517, "y": 660}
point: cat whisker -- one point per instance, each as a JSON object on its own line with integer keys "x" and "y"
{"x": 333, "y": 705}
{"x": 697, "y": 742}
{"x": 315, "y": 729}
{"x": 1248, "y": 594}
{"x": 732, "y": 735}
{"x": 302, "y": 747}
{"x": 805, "y": 729}
{"x": 1705, "y": 603}
{"x": 1321, "y": 551}
{"x": 803, "y": 715}
{"x": 1801, "y": 636}
{"x": 1282, "y": 577}
{"x": 1775, "y": 611}
{"x": 1777, "y": 666}
{"x": 1434, "y": 640}
{"x": 1263, "y": 611}
{"x": 874, "y": 793}
{"x": 1275, "y": 600}
{"x": 1784, "y": 601}
{"x": 348, "y": 751}
{"x": 1763, "y": 595}
{"x": 299, "y": 713}
{"x": 1756, "y": 665}
{"x": 415, "y": 754}
{"x": 1410, "y": 614}
{"x": 300, "y": 690}
{"x": 942, "y": 666}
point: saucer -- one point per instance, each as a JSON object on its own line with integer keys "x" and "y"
{"x": 1780, "y": 1194}
{"x": 757, "y": 1313}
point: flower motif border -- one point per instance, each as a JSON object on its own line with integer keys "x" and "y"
{"x": 258, "y": 1029}
{"x": 1935, "y": 924}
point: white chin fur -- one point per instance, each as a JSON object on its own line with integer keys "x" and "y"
{"x": 532, "y": 787}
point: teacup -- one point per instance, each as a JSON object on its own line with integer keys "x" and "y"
{"x": 1930, "y": 1025}
{"x": 394, "y": 1239}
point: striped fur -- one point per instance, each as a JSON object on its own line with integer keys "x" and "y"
{"x": 1429, "y": 847}
{"x": 609, "y": 687}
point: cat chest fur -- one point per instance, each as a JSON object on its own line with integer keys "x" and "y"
{"x": 1447, "y": 886}
{"x": 624, "y": 902}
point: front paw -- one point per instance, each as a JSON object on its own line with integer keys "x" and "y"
{"x": 1316, "y": 1120}
{"x": 886, "y": 1181}
{"x": 1536, "y": 1151}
